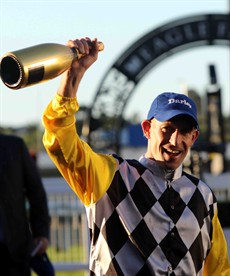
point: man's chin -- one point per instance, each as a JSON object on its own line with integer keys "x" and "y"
{"x": 172, "y": 163}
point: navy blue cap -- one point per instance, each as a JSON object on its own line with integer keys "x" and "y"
{"x": 169, "y": 104}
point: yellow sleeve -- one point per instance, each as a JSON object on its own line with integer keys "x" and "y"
{"x": 89, "y": 174}
{"x": 217, "y": 262}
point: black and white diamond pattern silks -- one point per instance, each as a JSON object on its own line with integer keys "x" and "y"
{"x": 147, "y": 225}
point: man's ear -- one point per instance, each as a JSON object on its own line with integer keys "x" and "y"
{"x": 146, "y": 126}
{"x": 195, "y": 135}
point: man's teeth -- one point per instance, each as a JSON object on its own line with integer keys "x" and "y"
{"x": 173, "y": 151}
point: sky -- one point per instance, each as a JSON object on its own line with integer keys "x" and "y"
{"x": 118, "y": 24}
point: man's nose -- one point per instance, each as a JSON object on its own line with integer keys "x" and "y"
{"x": 175, "y": 138}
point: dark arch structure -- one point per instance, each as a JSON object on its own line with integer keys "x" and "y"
{"x": 106, "y": 112}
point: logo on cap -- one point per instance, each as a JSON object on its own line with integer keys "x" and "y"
{"x": 171, "y": 101}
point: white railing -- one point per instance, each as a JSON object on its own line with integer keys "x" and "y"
{"x": 69, "y": 239}
{"x": 220, "y": 185}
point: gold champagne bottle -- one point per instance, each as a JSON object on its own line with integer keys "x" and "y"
{"x": 36, "y": 64}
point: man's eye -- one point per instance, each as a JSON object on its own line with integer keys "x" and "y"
{"x": 165, "y": 129}
{"x": 184, "y": 131}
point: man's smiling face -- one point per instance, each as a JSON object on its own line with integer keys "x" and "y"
{"x": 169, "y": 141}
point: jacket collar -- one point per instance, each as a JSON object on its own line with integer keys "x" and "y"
{"x": 158, "y": 170}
